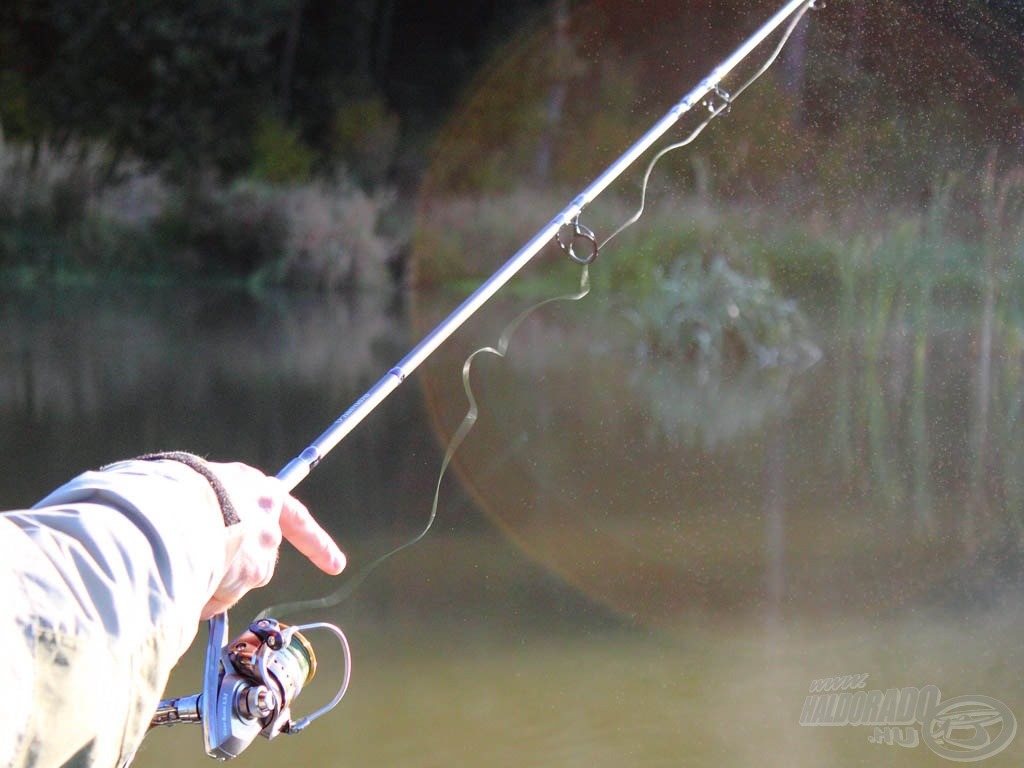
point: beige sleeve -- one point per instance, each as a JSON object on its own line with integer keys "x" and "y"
{"x": 102, "y": 582}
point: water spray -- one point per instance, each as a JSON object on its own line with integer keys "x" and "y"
{"x": 250, "y": 682}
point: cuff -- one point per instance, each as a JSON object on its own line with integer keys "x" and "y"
{"x": 197, "y": 464}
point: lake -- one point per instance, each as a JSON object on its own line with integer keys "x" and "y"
{"x": 635, "y": 561}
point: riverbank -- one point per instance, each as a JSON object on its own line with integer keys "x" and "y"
{"x": 68, "y": 215}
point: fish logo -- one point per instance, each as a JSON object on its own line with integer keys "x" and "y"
{"x": 966, "y": 729}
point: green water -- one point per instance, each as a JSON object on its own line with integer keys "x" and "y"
{"x": 493, "y": 688}
{"x": 631, "y": 565}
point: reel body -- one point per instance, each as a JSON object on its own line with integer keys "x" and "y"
{"x": 250, "y": 684}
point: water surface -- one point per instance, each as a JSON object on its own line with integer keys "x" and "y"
{"x": 634, "y": 563}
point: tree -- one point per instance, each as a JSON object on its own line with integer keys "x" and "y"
{"x": 167, "y": 79}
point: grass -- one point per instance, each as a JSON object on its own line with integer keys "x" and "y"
{"x": 908, "y": 287}
{"x": 63, "y": 215}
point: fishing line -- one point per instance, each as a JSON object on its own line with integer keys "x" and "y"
{"x": 718, "y": 101}
{"x": 715, "y": 108}
{"x": 500, "y": 350}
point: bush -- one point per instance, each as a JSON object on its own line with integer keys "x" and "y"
{"x": 230, "y": 231}
{"x": 333, "y": 239}
{"x": 280, "y": 156}
{"x": 57, "y": 216}
{"x": 48, "y": 183}
{"x": 44, "y": 195}
{"x": 716, "y": 316}
{"x": 364, "y": 139}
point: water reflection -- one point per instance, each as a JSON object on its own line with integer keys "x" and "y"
{"x": 659, "y": 492}
{"x": 643, "y": 569}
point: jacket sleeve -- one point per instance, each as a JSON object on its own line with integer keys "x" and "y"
{"x": 102, "y": 586}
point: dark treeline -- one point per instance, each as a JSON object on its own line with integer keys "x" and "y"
{"x": 182, "y": 82}
{"x": 282, "y": 141}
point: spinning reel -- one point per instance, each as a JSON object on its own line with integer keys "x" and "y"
{"x": 250, "y": 684}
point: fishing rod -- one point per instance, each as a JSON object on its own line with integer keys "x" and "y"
{"x": 251, "y": 681}
{"x": 298, "y": 468}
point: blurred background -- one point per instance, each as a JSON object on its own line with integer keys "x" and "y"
{"x": 779, "y": 440}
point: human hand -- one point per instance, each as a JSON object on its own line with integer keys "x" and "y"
{"x": 268, "y": 513}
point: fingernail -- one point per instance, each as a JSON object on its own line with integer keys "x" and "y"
{"x": 338, "y": 561}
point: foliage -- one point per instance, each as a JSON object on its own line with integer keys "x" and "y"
{"x": 226, "y": 231}
{"x": 48, "y": 183}
{"x": 364, "y": 137}
{"x": 16, "y": 109}
{"x": 280, "y": 156}
{"x": 57, "y": 218}
{"x": 178, "y": 81}
{"x": 44, "y": 195}
{"x": 169, "y": 80}
{"x": 752, "y": 149}
{"x": 467, "y": 238}
{"x": 282, "y": 91}
{"x": 333, "y": 239}
{"x": 714, "y": 316}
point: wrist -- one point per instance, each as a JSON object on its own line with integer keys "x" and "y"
{"x": 199, "y": 465}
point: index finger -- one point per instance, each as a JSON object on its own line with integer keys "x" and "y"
{"x": 309, "y": 537}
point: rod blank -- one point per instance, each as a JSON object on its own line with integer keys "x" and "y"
{"x": 299, "y": 467}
